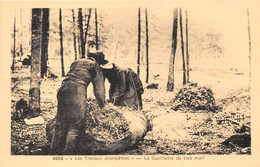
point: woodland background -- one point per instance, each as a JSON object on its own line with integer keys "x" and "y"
{"x": 219, "y": 59}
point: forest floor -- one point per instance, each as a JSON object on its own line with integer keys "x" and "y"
{"x": 173, "y": 132}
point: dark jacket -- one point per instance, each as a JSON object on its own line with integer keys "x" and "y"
{"x": 125, "y": 88}
{"x": 137, "y": 81}
{"x": 85, "y": 71}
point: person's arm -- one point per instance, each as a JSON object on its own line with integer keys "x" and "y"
{"x": 111, "y": 91}
{"x": 98, "y": 86}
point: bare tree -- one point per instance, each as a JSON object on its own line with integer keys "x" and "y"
{"x": 187, "y": 49}
{"x": 147, "y": 47}
{"x": 14, "y": 51}
{"x": 45, "y": 41}
{"x": 21, "y": 32}
{"x": 79, "y": 46}
{"x": 170, "y": 83}
{"x": 61, "y": 45}
{"x": 87, "y": 28}
{"x": 182, "y": 51}
{"x": 74, "y": 34}
{"x": 96, "y": 23}
{"x": 249, "y": 43}
{"x": 80, "y": 25}
{"x": 139, "y": 41}
{"x": 34, "y": 92}
{"x": 117, "y": 44}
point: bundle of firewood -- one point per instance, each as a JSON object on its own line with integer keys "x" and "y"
{"x": 107, "y": 125}
{"x": 194, "y": 97}
{"x": 109, "y": 130}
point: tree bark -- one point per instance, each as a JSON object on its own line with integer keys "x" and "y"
{"x": 80, "y": 25}
{"x": 147, "y": 47}
{"x": 61, "y": 46}
{"x": 96, "y": 23}
{"x": 14, "y": 51}
{"x": 79, "y": 46}
{"x": 74, "y": 34}
{"x": 139, "y": 41}
{"x": 117, "y": 44}
{"x": 187, "y": 49}
{"x": 182, "y": 51}
{"x": 249, "y": 43}
{"x": 21, "y": 38}
{"x": 87, "y": 28}
{"x": 170, "y": 83}
{"x": 34, "y": 92}
{"x": 45, "y": 41}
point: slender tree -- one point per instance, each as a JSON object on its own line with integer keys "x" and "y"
{"x": 182, "y": 51}
{"x": 30, "y": 31}
{"x": 14, "y": 51}
{"x": 74, "y": 34}
{"x": 21, "y": 38}
{"x": 80, "y": 25}
{"x": 87, "y": 28}
{"x": 79, "y": 46}
{"x": 34, "y": 92}
{"x": 45, "y": 41}
{"x": 117, "y": 44}
{"x": 139, "y": 41}
{"x": 170, "y": 83}
{"x": 96, "y": 23}
{"x": 147, "y": 46}
{"x": 61, "y": 46}
{"x": 249, "y": 43}
{"x": 187, "y": 49}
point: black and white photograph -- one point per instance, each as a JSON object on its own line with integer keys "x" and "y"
{"x": 131, "y": 80}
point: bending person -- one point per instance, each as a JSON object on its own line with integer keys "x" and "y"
{"x": 126, "y": 88}
{"x": 71, "y": 97}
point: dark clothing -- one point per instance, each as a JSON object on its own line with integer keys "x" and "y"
{"x": 137, "y": 81}
{"x": 138, "y": 86}
{"x": 126, "y": 87}
{"x": 85, "y": 71}
{"x": 71, "y": 117}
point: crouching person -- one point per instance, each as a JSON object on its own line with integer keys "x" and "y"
{"x": 126, "y": 88}
{"x": 71, "y": 97}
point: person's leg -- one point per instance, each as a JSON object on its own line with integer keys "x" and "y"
{"x": 58, "y": 138}
{"x": 140, "y": 100}
{"x": 77, "y": 117}
{"x": 60, "y": 126}
{"x": 71, "y": 141}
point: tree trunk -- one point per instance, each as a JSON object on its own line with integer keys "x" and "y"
{"x": 80, "y": 24}
{"x": 45, "y": 41}
{"x": 249, "y": 43}
{"x": 34, "y": 92}
{"x": 12, "y": 68}
{"x": 147, "y": 47}
{"x": 74, "y": 34}
{"x": 61, "y": 46}
{"x": 117, "y": 44}
{"x": 96, "y": 23}
{"x": 182, "y": 51}
{"x": 79, "y": 46}
{"x": 170, "y": 83}
{"x": 87, "y": 28}
{"x": 187, "y": 49}
{"x": 21, "y": 38}
{"x": 139, "y": 41}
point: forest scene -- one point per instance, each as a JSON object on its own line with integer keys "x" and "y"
{"x": 195, "y": 67}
